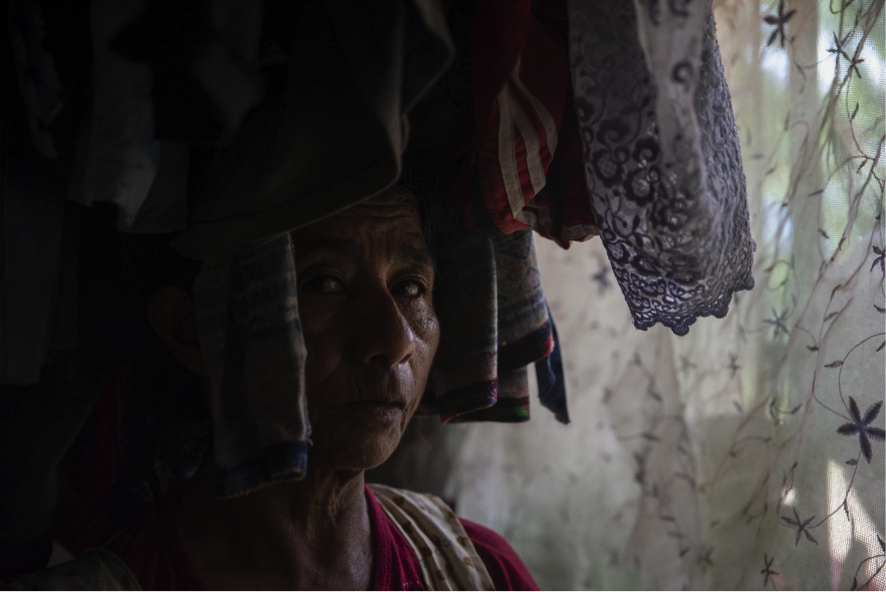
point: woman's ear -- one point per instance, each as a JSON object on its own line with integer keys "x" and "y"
{"x": 171, "y": 312}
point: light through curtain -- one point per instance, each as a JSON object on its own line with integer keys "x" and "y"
{"x": 748, "y": 454}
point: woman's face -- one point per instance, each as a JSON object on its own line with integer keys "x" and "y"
{"x": 365, "y": 287}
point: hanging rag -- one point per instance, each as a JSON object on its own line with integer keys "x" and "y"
{"x": 496, "y": 322}
{"x": 660, "y": 179}
{"x": 524, "y": 143}
{"x": 253, "y": 347}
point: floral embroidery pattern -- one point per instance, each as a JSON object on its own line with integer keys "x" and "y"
{"x": 861, "y": 426}
{"x": 779, "y": 21}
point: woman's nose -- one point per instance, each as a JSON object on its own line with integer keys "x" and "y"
{"x": 383, "y": 336}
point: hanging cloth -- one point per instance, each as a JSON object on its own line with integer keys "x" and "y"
{"x": 640, "y": 146}
{"x": 662, "y": 157}
{"x": 298, "y": 158}
{"x": 497, "y": 323}
{"x": 526, "y": 149}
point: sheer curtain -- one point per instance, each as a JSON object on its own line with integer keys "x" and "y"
{"x": 748, "y": 454}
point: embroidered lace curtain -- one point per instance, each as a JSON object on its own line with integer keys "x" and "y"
{"x": 749, "y": 453}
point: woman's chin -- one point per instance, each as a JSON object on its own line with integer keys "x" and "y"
{"x": 363, "y": 447}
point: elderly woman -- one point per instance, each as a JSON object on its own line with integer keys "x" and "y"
{"x": 366, "y": 281}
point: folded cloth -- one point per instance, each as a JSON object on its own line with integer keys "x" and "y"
{"x": 551, "y": 381}
{"x": 253, "y": 347}
{"x": 495, "y": 322}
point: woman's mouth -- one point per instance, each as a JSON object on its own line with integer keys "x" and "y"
{"x": 382, "y": 411}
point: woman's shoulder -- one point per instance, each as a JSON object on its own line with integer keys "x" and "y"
{"x": 501, "y": 560}
{"x": 451, "y": 545}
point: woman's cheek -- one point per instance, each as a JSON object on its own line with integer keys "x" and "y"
{"x": 323, "y": 356}
{"x": 323, "y": 350}
{"x": 426, "y": 329}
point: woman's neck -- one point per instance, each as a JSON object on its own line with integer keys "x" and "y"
{"x": 310, "y": 534}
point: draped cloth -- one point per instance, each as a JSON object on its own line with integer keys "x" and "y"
{"x": 255, "y": 355}
{"x": 662, "y": 158}
{"x": 661, "y": 179}
{"x": 526, "y": 169}
{"x": 496, "y": 324}
{"x": 647, "y": 117}
{"x": 298, "y": 157}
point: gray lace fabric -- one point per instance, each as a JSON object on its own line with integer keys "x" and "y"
{"x": 662, "y": 157}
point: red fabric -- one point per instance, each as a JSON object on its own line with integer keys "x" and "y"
{"x": 521, "y": 60}
{"x": 503, "y": 564}
{"x": 155, "y": 551}
{"x": 91, "y": 469}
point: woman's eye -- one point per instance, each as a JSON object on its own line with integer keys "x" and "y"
{"x": 327, "y": 284}
{"x": 409, "y": 288}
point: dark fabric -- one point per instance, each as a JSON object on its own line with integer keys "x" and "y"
{"x": 36, "y": 70}
{"x": 253, "y": 348}
{"x": 32, "y": 208}
{"x": 287, "y": 456}
{"x": 662, "y": 157}
{"x": 24, "y": 557}
{"x": 496, "y": 323}
{"x": 203, "y": 58}
{"x": 145, "y": 437}
{"x": 502, "y": 562}
{"x": 527, "y": 152}
{"x": 551, "y": 380}
{"x": 155, "y": 551}
{"x": 348, "y": 66}
{"x": 39, "y": 422}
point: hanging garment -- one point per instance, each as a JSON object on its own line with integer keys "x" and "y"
{"x": 663, "y": 184}
{"x": 524, "y": 131}
{"x": 36, "y": 72}
{"x": 662, "y": 157}
{"x": 166, "y": 75}
{"x": 254, "y": 350}
{"x": 630, "y": 94}
{"x": 496, "y": 324}
{"x": 298, "y": 157}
